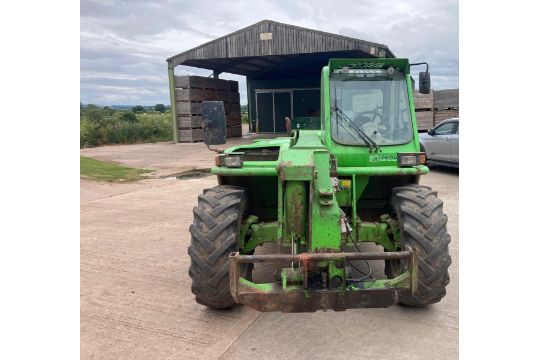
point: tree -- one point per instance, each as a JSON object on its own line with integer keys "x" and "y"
{"x": 107, "y": 110}
{"x": 128, "y": 116}
{"x": 160, "y": 108}
{"x": 94, "y": 114}
{"x": 138, "y": 109}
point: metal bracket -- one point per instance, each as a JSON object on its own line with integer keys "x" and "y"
{"x": 298, "y": 297}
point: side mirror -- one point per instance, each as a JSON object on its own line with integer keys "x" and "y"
{"x": 431, "y": 132}
{"x": 425, "y": 82}
{"x": 424, "y": 79}
{"x": 213, "y": 122}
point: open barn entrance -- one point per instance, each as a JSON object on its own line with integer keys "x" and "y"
{"x": 302, "y": 106}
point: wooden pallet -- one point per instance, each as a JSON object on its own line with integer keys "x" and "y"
{"x": 200, "y": 82}
{"x": 446, "y": 99}
{"x": 191, "y": 91}
{"x": 234, "y": 97}
{"x": 234, "y": 131}
{"x": 189, "y": 121}
{"x": 190, "y": 135}
{"x": 440, "y": 115}
{"x": 190, "y": 94}
{"x": 424, "y": 120}
{"x": 423, "y": 101}
{"x": 234, "y": 119}
{"x": 232, "y": 107}
{"x": 188, "y": 107}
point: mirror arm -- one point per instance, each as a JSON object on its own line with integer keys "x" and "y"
{"x": 216, "y": 150}
{"x": 421, "y": 63}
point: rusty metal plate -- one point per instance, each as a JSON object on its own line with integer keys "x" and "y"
{"x": 297, "y": 301}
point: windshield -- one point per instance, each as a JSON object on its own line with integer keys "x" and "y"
{"x": 378, "y": 105}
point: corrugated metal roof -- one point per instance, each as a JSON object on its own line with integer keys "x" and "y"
{"x": 269, "y": 44}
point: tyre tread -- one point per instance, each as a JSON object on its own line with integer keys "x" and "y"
{"x": 214, "y": 235}
{"x": 423, "y": 224}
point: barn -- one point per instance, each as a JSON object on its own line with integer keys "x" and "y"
{"x": 282, "y": 65}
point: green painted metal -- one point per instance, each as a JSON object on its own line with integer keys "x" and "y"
{"x": 358, "y": 159}
{"x": 383, "y": 171}
{"x": 246, "y": 231}
{"x": 290, "y": 276}
{"x": 250, "y": 170}
{"x": 403, "y": 281}
{"x": 280, "y": 219}
{"x": 296, "y": 202}
{"x": 173, "y": 103}
{"x": 393, "y": 230}
{"x": 325, "y": 212}
{"x": 359, "y": 185}
{"x": 336, "y": 269}
{"x": 306, "y": 123}
{"x": 257, "y": 234}
{"x": 258, "y": 287}
{"x": 377, "y": 232}
{"x": 344, "y": 197}
{"x": 311, "y": 207}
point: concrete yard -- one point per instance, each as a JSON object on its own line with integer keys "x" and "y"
{"x": 136, "y": 301}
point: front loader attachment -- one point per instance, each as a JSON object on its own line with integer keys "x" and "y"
{"x": 301, "y": 296}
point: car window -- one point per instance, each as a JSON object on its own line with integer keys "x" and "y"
{"x": 456, "y": 130}
{"x": 445, "y": 129}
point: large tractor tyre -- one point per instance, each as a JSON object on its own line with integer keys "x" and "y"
{"x": 422, "y": 225}
{"x": 214, "y": 235}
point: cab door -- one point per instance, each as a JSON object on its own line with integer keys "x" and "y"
{"x": 438, "y": 146}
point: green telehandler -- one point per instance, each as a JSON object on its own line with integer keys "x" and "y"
{"x": 318, "y": 194}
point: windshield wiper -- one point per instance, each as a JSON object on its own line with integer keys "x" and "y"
{"x": 359, "y": 132}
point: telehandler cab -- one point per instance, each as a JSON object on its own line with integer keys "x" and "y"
{"x": 318, "y": 194}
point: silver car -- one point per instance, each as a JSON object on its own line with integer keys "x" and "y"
{"x": 441, "y": 143}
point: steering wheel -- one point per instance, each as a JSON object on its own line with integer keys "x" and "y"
{"x": 365, "y": 113}
{"x": 371, "y": 116}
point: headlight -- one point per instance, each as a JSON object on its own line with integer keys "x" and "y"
{"x": 229, "y": 160}
{"x": 411, "y": 159}
{"x": 232, "y": 161}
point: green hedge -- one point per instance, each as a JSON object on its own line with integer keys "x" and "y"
{"x": 122, "y": 128}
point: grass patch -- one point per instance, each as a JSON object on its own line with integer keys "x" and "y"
{"x": 100, "y": 170}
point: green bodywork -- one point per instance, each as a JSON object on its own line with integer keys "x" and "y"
{"x": 293, "y": 198}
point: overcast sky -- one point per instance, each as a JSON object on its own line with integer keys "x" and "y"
{"x": 124, "y": 44}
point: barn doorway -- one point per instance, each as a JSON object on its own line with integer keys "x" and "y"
{"x": 273, "y": 105}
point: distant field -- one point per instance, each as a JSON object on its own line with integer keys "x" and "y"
{"x": 100, "y": 170}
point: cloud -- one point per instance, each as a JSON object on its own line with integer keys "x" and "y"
{"x": 124, "y": 44}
